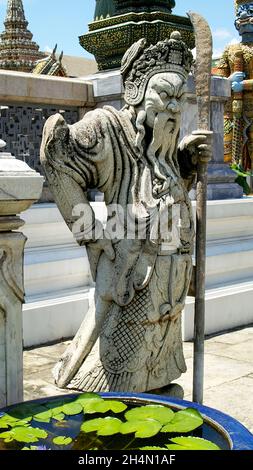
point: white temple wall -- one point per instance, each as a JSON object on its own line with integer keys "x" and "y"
{"x": 59, "y": 287}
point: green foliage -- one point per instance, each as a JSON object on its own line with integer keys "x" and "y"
{"x": 191, "y": 443}
{"x": 242, "y": 177}
{"x": 7, "y": 421}
{"x": 43, "y": 417}
{"x": 142, "y": 428}
{"x": 93, "y": 403}
{"x": 184, "y": 421}
{"x": 158, "y": 412}
{"x": 72, "y": 409}
{"x": 104, "y": 426}
{"x": 24, "y": 434}
{"x": 62, "y": 441}
{"x": 142, "y": 421}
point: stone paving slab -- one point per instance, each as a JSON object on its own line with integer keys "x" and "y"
{"x": 234, "y": 398}
{"x": 228, "y": 382}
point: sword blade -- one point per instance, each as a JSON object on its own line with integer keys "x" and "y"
{"x": 203, "y": 69}
{"x": 204, "y": 50}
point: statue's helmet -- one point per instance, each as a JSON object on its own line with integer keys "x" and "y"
{"x": 140, "y": 63}
{"x": 244, "y": 16}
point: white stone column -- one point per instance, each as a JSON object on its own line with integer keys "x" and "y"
{"x": 20, "y": 187}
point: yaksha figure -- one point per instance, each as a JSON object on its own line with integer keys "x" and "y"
{"x": 237, "y": 65}
{"x": 130, "y": 339}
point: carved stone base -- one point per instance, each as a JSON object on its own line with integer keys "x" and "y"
{"x": 11, "y": 298}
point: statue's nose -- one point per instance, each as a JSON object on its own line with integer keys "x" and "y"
{"x": 173, "y": 106}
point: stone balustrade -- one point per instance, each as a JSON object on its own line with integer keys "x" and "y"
{"x": 27, "y": 100}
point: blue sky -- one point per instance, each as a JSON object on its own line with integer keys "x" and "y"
{"x": 62, "y": 21}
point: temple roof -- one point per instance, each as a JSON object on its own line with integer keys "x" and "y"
{"x": 51, "y": 65}
{"x": 17, "y": 49}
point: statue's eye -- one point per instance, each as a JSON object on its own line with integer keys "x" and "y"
{"x": 164, "y": 95}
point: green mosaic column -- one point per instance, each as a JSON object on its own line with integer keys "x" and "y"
{"x": 104, "y": 8}
{"x": 119, "y": 23}
{"x": 126, "y": 6}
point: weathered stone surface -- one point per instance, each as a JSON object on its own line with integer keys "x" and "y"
{"x": 15, "y": 195}
{"x": 131, "y": 337}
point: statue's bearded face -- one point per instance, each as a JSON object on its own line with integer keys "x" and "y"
{"x": 164, "y": 100}
{"x": 244, "y": 18}
{"x": 159, "y": 118}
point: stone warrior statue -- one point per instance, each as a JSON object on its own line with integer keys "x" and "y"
{"x": 237, "y": 65}
{"x": 130, "y": 339}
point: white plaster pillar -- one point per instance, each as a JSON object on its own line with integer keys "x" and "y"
{"x": 20, "y": 187}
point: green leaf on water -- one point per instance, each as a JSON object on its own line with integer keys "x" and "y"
{"x": 102, "y": 406}
{"x": 62, "y": 441}
{"x": 157, "y": 412}
{"x": 184, "y": 421}
{"x": 88, "y": 400}
{"x": 43, "y": 417}
{"x": 88, "y": 396}
{"x": 104, "y": 426}
{"x": 142, "y": 428}
{"x": 24, "y": 434}
{"x": 7, "y": 421}
{"x": 72, "y": 408}
{"x": 60, "y": 417}
{"x": 191, "y": 443}
{"x": 26, "y": 411}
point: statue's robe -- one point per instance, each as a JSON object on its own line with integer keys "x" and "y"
{"x": 142, "y": 291}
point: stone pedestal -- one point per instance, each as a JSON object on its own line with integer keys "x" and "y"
{"x": 108, "y": 90}
{"x": 19, "y": 188}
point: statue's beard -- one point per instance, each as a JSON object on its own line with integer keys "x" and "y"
{"x": 161, "y": 149}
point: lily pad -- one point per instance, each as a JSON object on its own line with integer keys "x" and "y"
{"x": 88, "y": 401}
{"x": 59, "y": 417}
{"x": 191, "y": 443}
{"x": 184, "y": 421}
{"x": 157, "y": 412}
{"x": 26, "y": 411}
{"x": 24, "y": 434}
{"x": 72, "y": 409}
{"x": 88, "y": 396}
{"x": 43, "y": 417}
{"x": 142, "y": 428}
{"x": 7, "y": 421}
{"x": 106, "y": 405}
{"x": 62, "y": 441}
{"x": 104, "y": 426}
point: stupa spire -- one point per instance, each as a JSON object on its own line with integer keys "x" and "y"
{"x": 17, "y": 49}
{"x": 15, "y": 11}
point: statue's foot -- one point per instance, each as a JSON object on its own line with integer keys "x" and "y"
{"x": 172, "y": 390}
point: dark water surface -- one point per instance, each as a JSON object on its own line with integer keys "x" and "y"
{"x": 70, "y": 427}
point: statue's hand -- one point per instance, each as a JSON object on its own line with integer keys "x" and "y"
{"x": 105, "y": 245}
{"x": 237, "y": 77}
{"x": 199, "y": 145}
{"x": 237, "y": 87}
{"x": 236, "y": 80}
